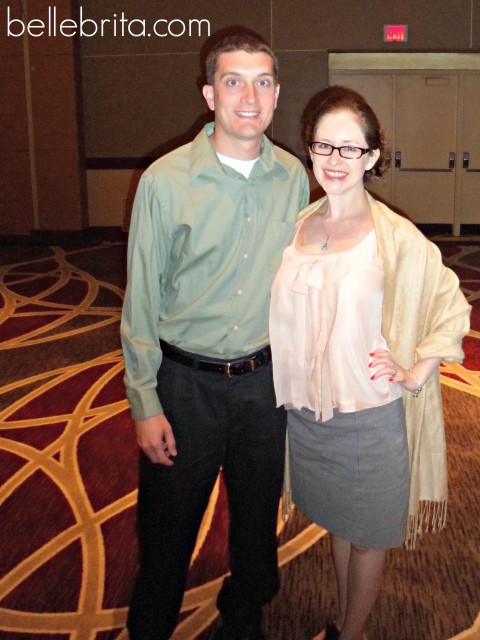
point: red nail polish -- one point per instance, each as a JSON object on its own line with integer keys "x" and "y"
{"x": 371, "y": 354}
{"x": 373, "y": 377}
{"x": 390, "y": 379}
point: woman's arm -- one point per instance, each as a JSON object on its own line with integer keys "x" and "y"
{"x": 412, "y": 378}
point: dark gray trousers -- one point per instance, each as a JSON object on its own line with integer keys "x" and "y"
{"x": 217, "y": 421}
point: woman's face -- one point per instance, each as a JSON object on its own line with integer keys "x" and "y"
{"x": 337, "y": 175}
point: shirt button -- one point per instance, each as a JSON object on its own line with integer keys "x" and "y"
{"x": 249, "y": 219}
{"x": 235, "y": 328}
{"x": 239, "y": 292}
{"x": 245, "y": 256}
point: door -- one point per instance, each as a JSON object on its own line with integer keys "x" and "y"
{"x": 425, "y": 146}
{"x": 468, "y": 177}
{"x": 431, "y": 122}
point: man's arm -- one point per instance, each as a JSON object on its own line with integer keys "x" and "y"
{"x": 305, "y": 191}
{"x": 140, "y": 341}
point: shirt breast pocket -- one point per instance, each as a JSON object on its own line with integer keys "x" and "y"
{"x": 280, "y": 234}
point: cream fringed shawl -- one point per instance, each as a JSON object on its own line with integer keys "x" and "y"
{"x": 425, "y": 315}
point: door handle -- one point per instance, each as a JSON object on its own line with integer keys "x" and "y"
{"x": 466, "y": 163}
{"x": 451, "y": 164}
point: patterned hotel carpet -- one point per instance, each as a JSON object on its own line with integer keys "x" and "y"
{"x": 68, "y": 476}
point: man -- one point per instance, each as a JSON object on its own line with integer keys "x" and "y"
{"x": 209, "y": 225}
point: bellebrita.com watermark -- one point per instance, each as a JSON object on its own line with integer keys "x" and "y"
{"x": 117, "y": 25}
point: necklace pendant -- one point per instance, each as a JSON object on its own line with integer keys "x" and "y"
{"x": 325, "y": 244}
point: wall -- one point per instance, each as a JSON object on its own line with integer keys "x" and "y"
{"x": 42, "y": 180}
{"x": 141, "y": 95}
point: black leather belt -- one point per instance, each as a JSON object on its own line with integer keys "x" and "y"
{"x": 228, "y": 368}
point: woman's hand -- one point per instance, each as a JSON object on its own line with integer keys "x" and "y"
{"x": 411, "y": 379}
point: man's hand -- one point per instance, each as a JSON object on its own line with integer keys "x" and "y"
{"x": 155, "y": 438}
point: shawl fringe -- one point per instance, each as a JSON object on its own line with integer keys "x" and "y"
{"x": 287, "y": 501}
{"x": 287, "y": 505}
{"x": 431, "y": 516}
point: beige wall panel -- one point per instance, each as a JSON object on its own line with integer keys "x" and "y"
{"x": 302, "y": 74}
{"x": 53, "y": 102}
{"x": 254, "y": 14}
{"x": 59, "y": 190}
{"x": 13, "y": 114}
{"x": 310, "y": 24}
{"x": 140, "y": 106}
{"x": 110, "y": 197}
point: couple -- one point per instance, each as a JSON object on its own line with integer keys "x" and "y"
{"x": 362, "y": 312}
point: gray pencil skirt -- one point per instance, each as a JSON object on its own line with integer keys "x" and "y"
{"x": 350, "y": 475}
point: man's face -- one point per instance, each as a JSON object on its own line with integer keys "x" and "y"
{"x": 244, "y": 97}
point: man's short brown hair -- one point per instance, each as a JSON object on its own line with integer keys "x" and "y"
{"x": 241, "y": 41}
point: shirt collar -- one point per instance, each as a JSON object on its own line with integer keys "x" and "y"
{"x": 203, "y": 156}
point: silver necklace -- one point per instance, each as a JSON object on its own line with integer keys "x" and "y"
{"x": 324, "y": 246}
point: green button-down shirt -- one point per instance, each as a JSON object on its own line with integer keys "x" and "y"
{"x": 204, "y": 246}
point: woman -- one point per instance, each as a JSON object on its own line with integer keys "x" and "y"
{"x": 362, "y": 314}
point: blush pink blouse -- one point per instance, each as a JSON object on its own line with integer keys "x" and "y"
{"x": 325, "y": 320}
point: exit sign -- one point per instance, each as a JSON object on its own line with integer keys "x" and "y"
{"x": 395, "y": 33}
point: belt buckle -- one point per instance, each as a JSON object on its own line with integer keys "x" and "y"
{"x": 226, "y": 370}
{"x": 229, "y": 372}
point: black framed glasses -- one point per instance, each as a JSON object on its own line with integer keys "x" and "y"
{"x": 349, "y": 152}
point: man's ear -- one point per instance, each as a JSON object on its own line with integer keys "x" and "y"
{"x": 277, "y": 92}
{"x": 208, "y": 95}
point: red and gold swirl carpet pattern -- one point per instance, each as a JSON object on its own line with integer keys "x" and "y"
{"x": 68, "y": 462}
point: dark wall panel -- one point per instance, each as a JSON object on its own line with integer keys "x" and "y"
{"x": 13, "y": 112}
{"x": 476, "y": 25}
{"x": 435, "y": 25}
{"x": 310, "y": 24}
{"x": 55, "y": 12}
{"x": 302, "y": 74}
{"x": 347, "y": 25}
{"x": 141, "y": 106}
{"x": 52, "y": 81}
{"x": 254, "y": 14}
{"x": 142, "y": 95}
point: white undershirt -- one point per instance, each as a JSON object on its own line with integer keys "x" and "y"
{"x": 242, "y": 166}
